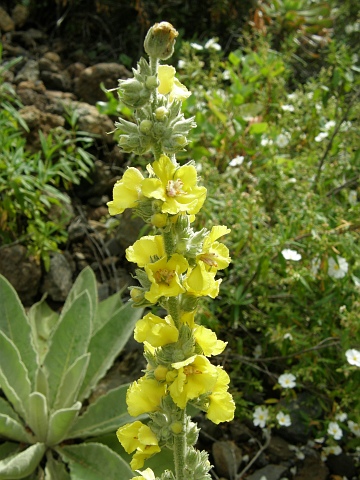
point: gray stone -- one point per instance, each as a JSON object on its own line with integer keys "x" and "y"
{"x": 22, "y": 271}
{"x": 58, "y": 280}
{"x": 29, "y": 72}
{"x": 227, "y": 458}
{"x": 270, "y": 472}
{"x": 313, "y": 468}
{"x": 20, "y": 14}
{"x": 6, "y": 22}
{"x": 88, "y": 83}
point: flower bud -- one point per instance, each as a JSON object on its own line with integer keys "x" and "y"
{"x": 159, "y": 220}
{"x": 137, "y": 295}
{"x": 151, "y": 82}
{"x": 160, "y": 373}
{"x": 145, "y": 126}
{"x": 177, "y": 427}
{"x": 160, "y": 40}
{"x": 161, "y": 113}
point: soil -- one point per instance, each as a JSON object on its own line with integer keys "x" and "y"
{"x": 50, "y": 75}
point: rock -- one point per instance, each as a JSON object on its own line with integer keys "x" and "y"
{"x": 20, "y": 14}
{"x": 52, "y": 72}
{"x": 32, "y": 93}
{"x": 270, "y": 472}
{"x": 278, "y": 450}
{"x": 240, "y": 432}
{"x": 88, "y": 84}
{"x": 37, "y": 120}
{"x": 342, "y": 465}
{"x": 312, "y": 468}
{"x": 6, "y": 22}
{"x": 29, "y": 72}
{"x": 58, "y": 280}
{"x": 22, "y": 271}
{"x": 227, "y": 458}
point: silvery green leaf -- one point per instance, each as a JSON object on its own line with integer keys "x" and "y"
{"x": 38, "y": 415}
{"x": 105, "y": 310}
{"x": 13, "y": 430}
{"x": 8, "y": 448}
{"x": 105, "y": 415}
{"x": 59, "y": 423}
{"x": 20, "y": 465}
{"x": 15, "y": 325}
{"x": 14, "y": 379}
{"x": 71, "y": 382}
{"x": 107, "y": 343}
{"x": 54, "y": 469}
{"x": 94, "y": 461}
{"x": 69, "y": 341}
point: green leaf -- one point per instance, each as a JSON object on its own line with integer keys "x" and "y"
{"x": 38, "y": 415}
{"x": 22, "y": 464}
{"x": 69, "y": 342}
{"x": 105, "y": 415}
{"x": 42, "y": 320}
{"x": 107, "y": 343}
{"x": 261, "y": 127}
{"x": 15, "y": 325}
{"x": 85, "y": 282}
{"x": 54, "y": 469}
{"x": 105, "y": 310}
{"x": 60, "y": 422}
{"x": 10, "y": 428}
{"x": 249, "y": 110}
{"x": 14, "y": 378}
{"x": 8, "y": 448}
{"x": 72, "y": 380}
{"x": 94, "y": 461}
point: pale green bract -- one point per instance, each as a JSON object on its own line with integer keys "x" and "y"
{"x": 49, "y": 365}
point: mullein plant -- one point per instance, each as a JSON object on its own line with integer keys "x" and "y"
{"x": 175, "y": 268}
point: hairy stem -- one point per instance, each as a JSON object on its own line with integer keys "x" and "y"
{"x": 180, "y": 451}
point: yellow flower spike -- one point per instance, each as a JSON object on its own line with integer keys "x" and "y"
{"x": 221, "y": 403}
{"x": 126, "y": 192}
{"x": 143, "y": 454}
{"x": 200, "y": 282}
{"x": 175, "y": 186}
{"x": 156, "y": 331}
{"x": 208, "y": 341}
{"x": 145, "y": 250}
{"x": 188, "y": 318}
{"x": 170, "y": 85}
{"x": 144, "y": 396}
{"x": 164, "y": 277}
{"x": 195, "y": 376}
{"x": 135, "y": 435}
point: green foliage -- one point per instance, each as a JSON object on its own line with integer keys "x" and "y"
{"x": 32, "y": 183}
{"x": 281, "y": 164}
{"x": 49, "y": 365}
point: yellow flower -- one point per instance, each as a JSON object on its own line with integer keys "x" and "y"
{"x": 147, "y": 474}
{"x": 155, "y": 330}
{"x": 208, "y": 341}
{"x": 146, "y": 250}
{"x": 126, "y": 192}
{"x": 170, "y": 85}
{"x": 194, "y": 377}
{"x": 200, "y": 282}
{"x": 175, "y": 186}
{"x": 164, "y": 277}
{"x": 221, "y": 403}
{"x": 215, "y": 255}
{"x": 144, "y": 396}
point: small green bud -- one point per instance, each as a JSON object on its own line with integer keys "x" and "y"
{"x": 161, "y": 113}
{"x": 160, "y": 40}
{"x": 145, "y": 127}
{"x": 151, "y": 82}
{"x": 176, "y": 428}
{"x": 159, "y": 220}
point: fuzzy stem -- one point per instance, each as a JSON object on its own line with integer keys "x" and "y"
{"x": 173, "y": 307}
{"x": 180, "y": 451}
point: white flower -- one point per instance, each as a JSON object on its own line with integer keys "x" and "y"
{"x": 213, "y": 44}
{"x": 354, "y": 428}
{"x": 337, "y": 268}
{"x": 287, "y": 380}
{"x": 266, "y": 141}
{"x": 352, "y": 197}
{"x": 236, "y": 162}
{"x": 349, "y": 29}
{"x": 353, "y": 357}
{"x": 288, "y": 336}
{"x": 283, "y": 419}
{"x": 282, "y": 140}
{"x": 288, "y": 108}
{"x": 321, "y": 136}
{"x": 334, "y": 430}
{"x": 341, "y": 416}
{"x": 257, "y": 351}
{"x": 329, "y": 125}
{"x": 260, "y": 416}
{"x": 226, "y": 75}
{"x": 196, "y": 46}
{"x": 289, "y": 254}
{"x": 292, "y": 96}
{"x": 315, "y": 265}
{"x": 330, "y": 450}
{"x": 181, "y": 64}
